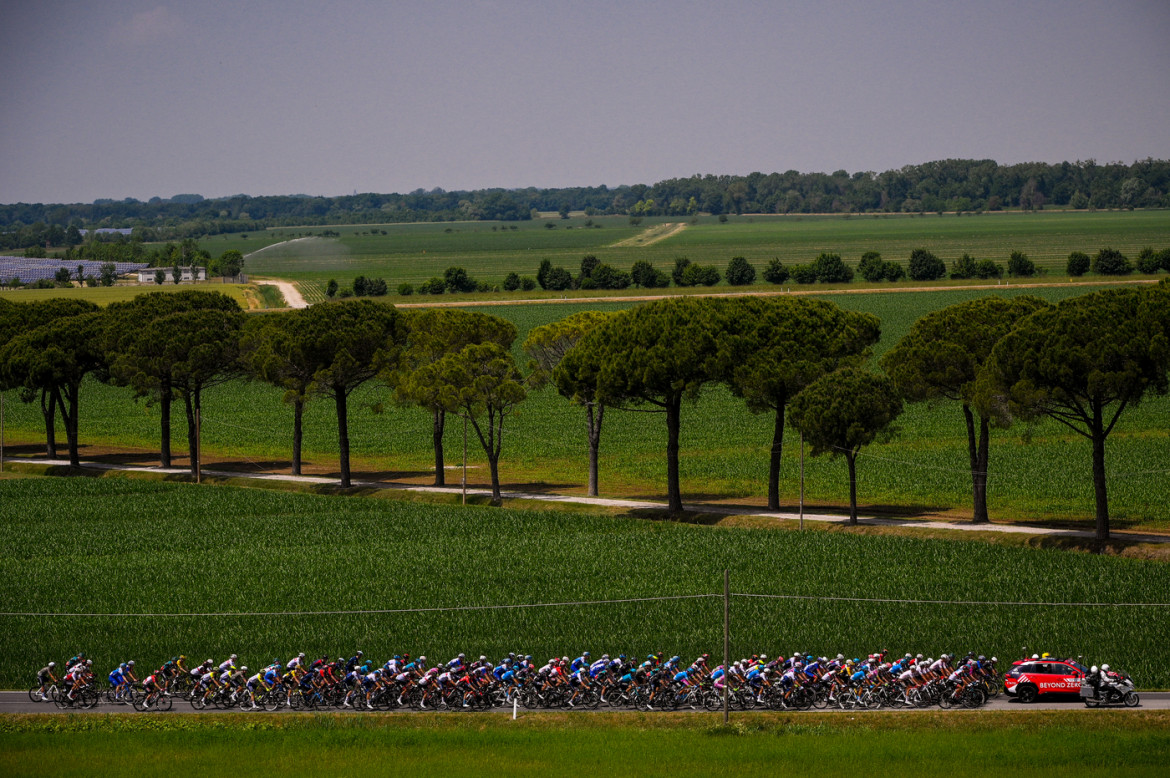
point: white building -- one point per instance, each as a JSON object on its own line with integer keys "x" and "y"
{"x": 146, "y": 275}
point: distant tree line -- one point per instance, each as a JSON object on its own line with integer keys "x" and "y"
{"x": 961, "y": 185}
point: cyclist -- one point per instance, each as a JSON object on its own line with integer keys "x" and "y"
{"x": 353, "y": 662}
{"x": 205, "y": 684}
{"x": 296, "y": 661}
{"x": 45, "y": 677}
{"x": 228, "y": 664}
{"x": 78, "y": 676}
{"x": 117, "y": 679}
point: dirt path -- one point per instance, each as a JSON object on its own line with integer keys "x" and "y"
{"x": 282, "y": 243}
{"x": 292, "y": 295}
{"x": 745, "y": 511}
{"x": 652, "y": 235}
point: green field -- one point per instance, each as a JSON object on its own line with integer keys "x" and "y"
{"x": 126, "y": 546}
{"x": 1038, "y": 473}
{"x": 1064, "y": 743}
{"x": 104, "y": 295}
{"x": 488, "y": 251}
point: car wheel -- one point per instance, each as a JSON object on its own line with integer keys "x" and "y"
{"x": 1027, "y": 693}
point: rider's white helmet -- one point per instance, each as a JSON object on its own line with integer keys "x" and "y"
{"x": 1104, "y": 668}
{"x": 1093, "y": 669}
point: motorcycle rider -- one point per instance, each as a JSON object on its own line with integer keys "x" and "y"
{"x": 1097, "y": 679}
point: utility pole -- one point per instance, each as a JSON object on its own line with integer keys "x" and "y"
{"x": 726, "y": 644}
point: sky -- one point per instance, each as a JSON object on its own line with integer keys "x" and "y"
{"x": 143, "y": 98}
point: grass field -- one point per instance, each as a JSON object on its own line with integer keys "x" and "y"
{"x": 104, "y": 295}
{"x": 488, "y": 251}
{"x": 1038, "y": 473}
{"x": 125, "y": 546}
{"x": 911, "y": 744}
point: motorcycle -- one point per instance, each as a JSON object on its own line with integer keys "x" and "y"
{"x": 1115, "y": 692}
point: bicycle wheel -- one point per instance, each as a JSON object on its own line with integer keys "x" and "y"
{"x": 35, "y": 695}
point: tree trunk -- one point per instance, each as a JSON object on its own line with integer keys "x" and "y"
{"x": 165, "y": 422}
{"x": 298, "y": 434}
{"x": 49, "y": 412}
{"x": 191, "y": 403}
{"x": 343, "y": 436}
{"x": 1099, "y": 491}
{"x": 977, "y": 455}
{"x": 851, "y": 458}
{"x": 439, "y": 423}
{"x": 494, "y": 469}
{"x": 593, "y": 430}
{"x": 774, "y": 462}
{"x": 69, "y": 414}
{"x": 673, "y": 412}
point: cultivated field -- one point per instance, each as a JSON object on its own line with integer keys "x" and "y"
{"x": 1038, "y": 473}
{"x": 125, "y": 546}
{"x": 488, "y": 251}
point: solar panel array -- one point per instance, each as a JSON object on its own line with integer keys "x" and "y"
{"x": 28, "y": 270}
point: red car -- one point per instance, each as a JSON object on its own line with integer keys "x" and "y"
{"x": 1029, "y": 678}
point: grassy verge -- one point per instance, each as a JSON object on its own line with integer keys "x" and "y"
{"x": 909, "y": 744}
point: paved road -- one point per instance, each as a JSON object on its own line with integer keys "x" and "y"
{"x": 18, "y": 702}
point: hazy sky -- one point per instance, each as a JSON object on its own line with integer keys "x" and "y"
{"x": 137, "y": 98}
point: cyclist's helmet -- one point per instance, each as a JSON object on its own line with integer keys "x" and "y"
{"x": 994, "y": 660}
{"x": 763, "y": 657}
{"x": 244, "y": 669}
{"x": 482, "y": 658}
{"x": 52, "y": 664}
{"x": 88, "y": 662}
{"x": 208, "y": 662}
{"x": 359, "y": 653}
{"x": 234, "y": 657}
{"x": 182, "y": 656}
{"x": 301, "y": 655}
{"x": 461, "y": 656}
{"x": 422, "y": 660}
{"x": 919, "y": 657}
{"x": 130, "y": 663}
{"x": 982, "y": 658}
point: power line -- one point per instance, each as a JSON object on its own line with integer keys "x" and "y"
{"x": 955, "y": 602}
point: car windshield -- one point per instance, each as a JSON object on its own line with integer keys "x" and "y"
{"x": 1078, "y": 666}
